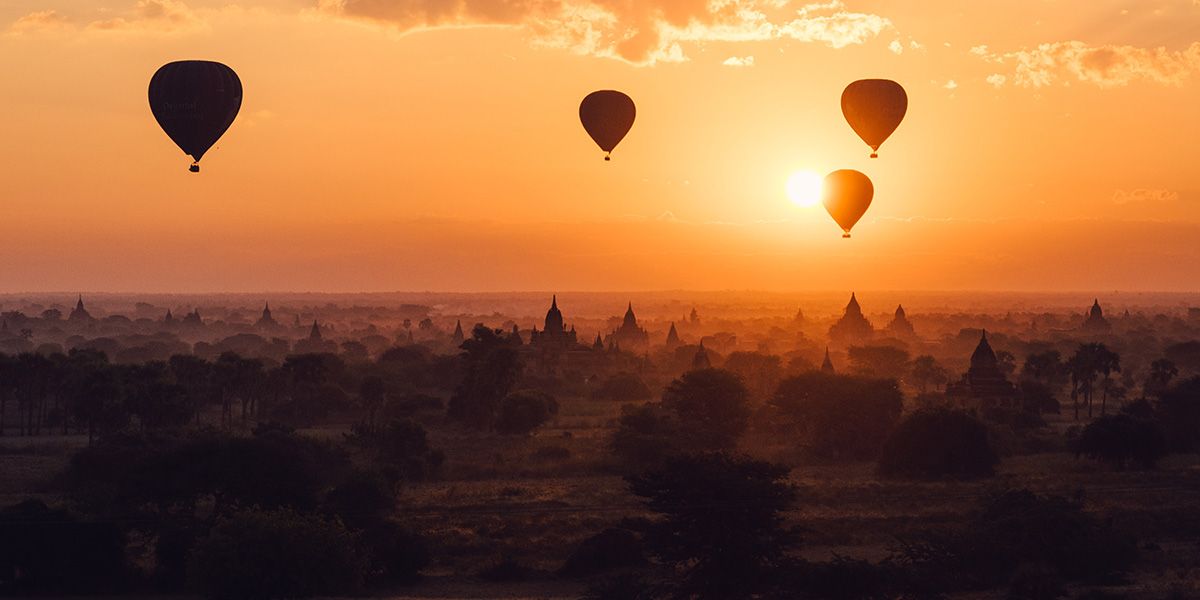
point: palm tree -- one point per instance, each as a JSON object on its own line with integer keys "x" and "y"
{"x": 1083, "y": 370}
{"x": 1162, "y": 371}
{"x": 1107, "y": 362}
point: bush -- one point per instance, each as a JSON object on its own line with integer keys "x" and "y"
{"x": 622, "y": 387}
{"x": 277, "y": 554}
{"x": 645, "y": 436}
{"x": 1017, "y": 528}
{"x": 841, "y": 417}
{"x": 1118, "y": 440}
{"x": 610, "y": 549}
{"x": 402, "y": 446}
{"x": 523, "y": 411}
{"x": 938, "y": 443}
{"x": 45, "y": 550}
{"x": 552, "y": 454}
{"x": 507, "y": 571}
{"x": 395, "y": 554}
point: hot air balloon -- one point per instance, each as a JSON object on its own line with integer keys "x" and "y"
{"x": 874, "y": 109}
{"x": 195, "y": 101}
{"x": 846, "y": 195}
{"x": 607, "y": 115}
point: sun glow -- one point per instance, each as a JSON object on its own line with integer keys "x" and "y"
{"x": 804, "y": 188}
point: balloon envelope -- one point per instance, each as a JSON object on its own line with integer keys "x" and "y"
{"x": 874, "y": 109}
{"x": 607, "y": 115}
{"x": 195, "y": 101}
{"x": 846, "y": 195}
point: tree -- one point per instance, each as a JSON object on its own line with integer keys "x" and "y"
{"x": 720, "y": 523}
{"x": 710, "y": 407}
{"x": 926, "y": 372}
{"x": 372, "y": 394}
{"x": 1180, "y": 409}
{"x": 1089, "y": 362}
{"x": 194, "y": 374}
{"x": 884, "y": 362}
{"x": 759, "y": 372}
{"x": 1046, "y": 368}
{"x": 277, "y": 554}
{"x": 152, "y": 397}
{"x": 938, "y": 443}
{"x": 525, "y": 410}
{"x": 1121, "y": 439}
{"x": 1162, "y": 371}
{"x": 490, "y": 365}
{"x": 236, "y": 379}
{"x": 403, "y": 446}
{"x": 840, "y": 417}
{"x": 622, "y": 386}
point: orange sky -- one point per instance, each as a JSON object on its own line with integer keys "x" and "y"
{"x": 424, "y": 144}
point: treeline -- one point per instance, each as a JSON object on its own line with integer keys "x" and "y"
{"x": 83, "y": 392}
{"x": 269, "y": 515}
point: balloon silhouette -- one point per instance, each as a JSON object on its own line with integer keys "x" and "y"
{"x": 195, "y": 101}
{"x": 607, "y": 115}
{"x": 846, "y": 195}
{"x": 874, "y": 109}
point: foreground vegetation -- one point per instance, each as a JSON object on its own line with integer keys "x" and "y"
{"x": 417, "y": 475}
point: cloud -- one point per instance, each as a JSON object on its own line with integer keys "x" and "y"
{"x": 1103, "y": 66}
{"x": 951, "y": 85}
{"x": 143, "y": 16}
{"x": 151, "y": 15}
{"x": 637, "y": 31}
{"x": 1145, "y": 196}
{"x": 996, "y": 80}
{"x": 896, "y": 47}
{"x": 736, "y": 61}
{"x": 42, "y": 20}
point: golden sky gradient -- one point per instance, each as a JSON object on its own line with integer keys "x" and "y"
{"x": 425, "y": 144}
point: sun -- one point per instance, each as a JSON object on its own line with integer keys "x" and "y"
{"x": 804, "y": 188}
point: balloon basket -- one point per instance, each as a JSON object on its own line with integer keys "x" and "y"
{"x": 846, "y": 236}
{"x": 607, "y": 157}
{"x": 195, "y": 168}
{"x": 874, "y": 155}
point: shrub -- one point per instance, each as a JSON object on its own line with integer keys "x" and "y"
{"x": 402, "y": 446}
{"x": 645, "y": 436}
{"x": 523, "y": 411}
{"x": 1118, "y": 440}
{"x": 1016, "y": 528}
{"x": 622, "y": 387}
{"x": 552, "y": 453}
{"x": 938, "y": 443}
{"x": 394, "y": 554}
{"x": 610, "y": 549}
{"x": 45, "y": 550}
{"x": 277, "y": 554}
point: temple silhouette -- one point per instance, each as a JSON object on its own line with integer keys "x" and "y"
{"x": 853, "y": 326}
{"x": 984, "y": 384}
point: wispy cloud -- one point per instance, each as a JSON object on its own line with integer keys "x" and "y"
{"x": 1144, "y": 196}
{"x": 637, "y": 31}
{"x": 739, "y": 61}
{"x": 1103, "y": 66}
{"x": 152, "y": 16}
